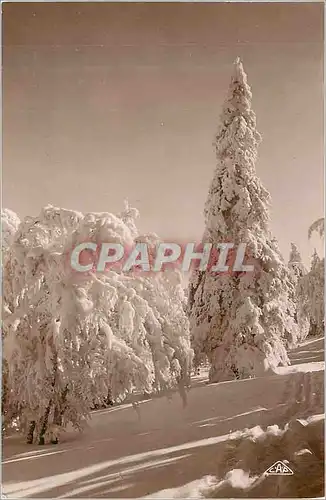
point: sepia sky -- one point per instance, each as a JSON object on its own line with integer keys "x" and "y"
{"x": 106, "y": 101}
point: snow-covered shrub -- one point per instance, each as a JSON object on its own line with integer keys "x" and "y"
{"x": 73, "y": 338}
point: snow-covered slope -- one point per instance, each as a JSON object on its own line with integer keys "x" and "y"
{"x": 219, "y": 445}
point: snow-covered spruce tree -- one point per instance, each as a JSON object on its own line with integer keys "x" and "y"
{"x": 77, "y": 337}
{"x": 240, "y": 320}
{"x": 314, "y": 286}
{"x": 311, "y": 286}
{"x": 297, "y": 295}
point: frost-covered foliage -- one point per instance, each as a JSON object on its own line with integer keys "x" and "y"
{"x": 297, "y": 294}
{"x": 241, "y": 321}
{"x": 73, "y": 338}
{"x": 318, "y": 226}
{"x": 9, "y": 225}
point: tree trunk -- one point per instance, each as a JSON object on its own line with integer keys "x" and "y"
{"x": 58, "y": 412}
{"x": 30, "y": 434}
{"x": 44, "y": 425}
{"x": 45, "y": 421}
{"x": 109, "y": 401}
{"x": 60, "y": 408}
{"x": 57, "y": 417}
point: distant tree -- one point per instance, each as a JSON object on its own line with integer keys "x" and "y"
{"x": 295, "y": 262}
{"x": 297, "y": 295}
{"x": 311, "y": 287}
{"x": 240, "y": 320}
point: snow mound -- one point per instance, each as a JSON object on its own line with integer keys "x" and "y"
{"x": 299, "y": 446}
{"x": 315, "y": 366}
{"x": 194, "y": 489}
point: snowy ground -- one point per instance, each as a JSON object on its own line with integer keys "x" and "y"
{"x": 219, "y": 445}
